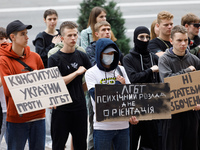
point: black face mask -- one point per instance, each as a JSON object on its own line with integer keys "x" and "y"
{"x": 141, "y": 46}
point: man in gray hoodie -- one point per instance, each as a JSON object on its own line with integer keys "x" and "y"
{"x": 181, "y": 131}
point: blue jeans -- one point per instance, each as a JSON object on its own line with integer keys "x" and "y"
{"x": 18, "y": 133}
{"x": 103, "y": 139}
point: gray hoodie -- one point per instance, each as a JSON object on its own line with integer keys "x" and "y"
{"x": 171, "y": 65}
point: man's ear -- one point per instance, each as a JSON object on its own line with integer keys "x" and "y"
{"x": 157, "y": 25}
{"x": 61, "y": 37}
{"x": 186, "y": 26}
{"x": 12, "y": 36}
{"x": 44, "y": 20}
{"x": 96, "y": 34}
{"x": 171, "y": 41}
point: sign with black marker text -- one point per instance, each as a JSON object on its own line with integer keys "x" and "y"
{"x": 38, "y": 90}
{"x": 146, "y": 101}
{"x": 184, "y": 91}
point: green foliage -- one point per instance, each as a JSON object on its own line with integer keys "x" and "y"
{"x": 114, "y": 17}
{"x": 85, "y": 9}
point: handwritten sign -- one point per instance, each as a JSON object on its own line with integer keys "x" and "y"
{"x": 119, "y": 102}
{"x": 184, "y": 91}
{"x": 38, "y": 90}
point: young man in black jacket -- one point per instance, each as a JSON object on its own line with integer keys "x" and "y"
{"x": 141, "y": 67}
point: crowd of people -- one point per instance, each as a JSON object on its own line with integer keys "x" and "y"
{"x": 164, "y": 51}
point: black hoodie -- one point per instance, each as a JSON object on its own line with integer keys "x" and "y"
{"x": 138, "y": 66}
{"x": 139, "y": 61}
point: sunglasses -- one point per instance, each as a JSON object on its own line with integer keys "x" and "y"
{"x": 142, "y": 37}
{"x": 197, "y": 25}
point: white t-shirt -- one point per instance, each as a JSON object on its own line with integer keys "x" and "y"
{"x": 96, "y": 76}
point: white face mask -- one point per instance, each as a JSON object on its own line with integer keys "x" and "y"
{"x": 107, "y": 59}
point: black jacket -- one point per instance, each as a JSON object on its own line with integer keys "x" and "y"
{"x": 138, "y": 66}
{"x": 43, "y": 43}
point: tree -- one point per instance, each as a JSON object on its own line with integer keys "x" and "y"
{"x": 114, "y": 17}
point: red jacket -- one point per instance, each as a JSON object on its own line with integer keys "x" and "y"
{"x": 9, "y": 66}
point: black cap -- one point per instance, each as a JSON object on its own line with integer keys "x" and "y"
{"x": 16, "y": 26}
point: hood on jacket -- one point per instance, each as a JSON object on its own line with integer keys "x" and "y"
{"x": 141, "y": 46}
{"x": 59, "y": 45}
{"x": 101, "y": 45}
{"x": 171, "y": 54}
{"x": 137, "y": 54}
{"x": 6, "y": 50}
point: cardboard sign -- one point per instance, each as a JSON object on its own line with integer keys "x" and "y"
{"x": 184, "y": 91}
{"x": 38, "y": 90}
{"x": 119, "y": 102}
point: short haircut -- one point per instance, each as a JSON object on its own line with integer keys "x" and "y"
{"x": 98, "y": 25}
{"x": 178, "y": 29}
{"x": 189, "y": 19}
{"x": 164, "y": 15}
{"x": 68, "y": 25}
{"x": 50, "y": 12}
{"x": 3, "y": 32}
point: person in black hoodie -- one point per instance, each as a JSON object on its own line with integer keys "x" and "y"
{"x": 141, "y": 67}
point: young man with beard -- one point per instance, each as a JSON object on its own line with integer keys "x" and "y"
{"x": 161, "y": 43}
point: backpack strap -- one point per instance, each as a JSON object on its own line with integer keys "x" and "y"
{"x": 24, "y": 64}
{"x": 88, "y": 38}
